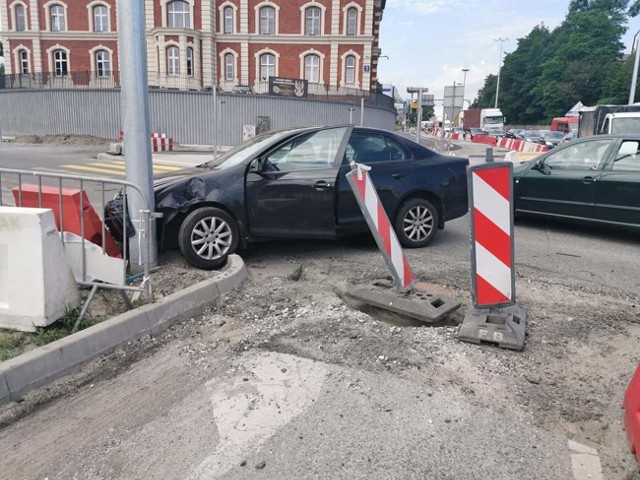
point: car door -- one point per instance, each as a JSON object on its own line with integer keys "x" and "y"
{"x": 564, "y": 181}
{"x": 290, "y": 190}
{"x": 391, "y": 170}
{"x": 618, "y": 189}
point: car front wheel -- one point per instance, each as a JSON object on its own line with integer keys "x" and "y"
{"x": 416, "y": 223}
{"x": 207, "y": 237}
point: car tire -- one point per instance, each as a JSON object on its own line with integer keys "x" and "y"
{"x": 416, "y": 223}
{"x": 207, "y": 237}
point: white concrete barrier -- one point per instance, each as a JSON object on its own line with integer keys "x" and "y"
{"x": 36, "y": 284}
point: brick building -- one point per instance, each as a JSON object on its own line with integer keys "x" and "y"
{"x": 331, "y": 43}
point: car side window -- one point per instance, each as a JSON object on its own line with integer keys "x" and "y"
{"x": 628, "y": 157}
{"x": 310, "y": 151}
{"x": 367, "y": 148}
{"x": 581, "y": 156}
{"x": 397, "y": 151}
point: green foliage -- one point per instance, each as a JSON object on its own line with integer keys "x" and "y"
{"x": 581, "y": 60}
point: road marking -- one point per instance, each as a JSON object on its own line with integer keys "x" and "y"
{"x": 585, "y": 462}
{"x": 86, "y": 168}
{"x": 107, "y": 165}
{"x": 168, "y": 168}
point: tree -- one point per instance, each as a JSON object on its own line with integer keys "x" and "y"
{"x": 487, "y": 94}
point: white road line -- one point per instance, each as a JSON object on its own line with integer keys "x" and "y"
{"x": 585, "y": 462}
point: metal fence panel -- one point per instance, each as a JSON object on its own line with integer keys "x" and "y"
{"x": 187, "y": 117}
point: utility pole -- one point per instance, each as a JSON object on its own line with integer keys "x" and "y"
{"x": 215, "y": 116}
{"x": 134, "y": 98}
{"x": 634, "y": 78}
{"x": 501, "y": 40}
{"x": 419, "y": 115}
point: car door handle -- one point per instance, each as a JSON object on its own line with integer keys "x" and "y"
{"x": 321, "y": 185}
{"x": 589, "y": 180}
{"x": 397, "y": 175}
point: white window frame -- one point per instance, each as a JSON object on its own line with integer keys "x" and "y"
{"x": 303, "y": 17}
{"x": 318, "y": 54}
{"x": 171, "y": 46}
{"x": 223, "y": 56}
{"x": 94, "y": 63}
{"x": 190, "y": 51}
{"x": 221, "y": 12}
{"x": 48, "y": 7}
{"x": 313, "y": 23}
{"x": 311, "y": 70}
{"x": 343, "y": 82}
{"x": 103, "y": 23}
{"x": 18, "y": 60}
{"x": 258, "y": 63}
{"x": 228, "y": 18}
{"x": 14, "y": 16}
{"x": 90, "y": 7}
{"x": 54, "y": 62}
{"x": 345, "y": 19}
{"x": 229, "y": 68}
{"x": 50, "y": 51}
{"x": 189, "y": 12}
{"x": 106, "y": 73}
{"x": 276, "y": 20}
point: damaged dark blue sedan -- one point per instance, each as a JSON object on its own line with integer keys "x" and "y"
{"x": 291, "y": 184}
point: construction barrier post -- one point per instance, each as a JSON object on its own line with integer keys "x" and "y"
{"x": 632, "y": 414}
{"x": 401, "y": 296}
{"x": 494, "y": 317}
{"x": 489, "y": 156}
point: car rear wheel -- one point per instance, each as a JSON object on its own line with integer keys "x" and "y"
{"x": 416, "y": 223}
{"x": 207, "y": 237}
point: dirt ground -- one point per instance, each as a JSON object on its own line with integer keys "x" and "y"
{"x": 84, "y": 140}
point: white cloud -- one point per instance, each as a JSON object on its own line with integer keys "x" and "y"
{"x": 427, "y": 6}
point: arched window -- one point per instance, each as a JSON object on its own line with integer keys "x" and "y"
{"x": 189, "y": 62}
{"x": 178, "y": 15}
{"x": 229, "y": 67}
{"x": 60, "y": 63}
{"x": 23, "y": 57}
{"x": 100, "y": 19}
{"x": 312, "y": 21}
{"x": 173, "y": 61}
{"x": 103, "y": 63}
{"x": 21, "y": 19}
{"x": 352, "y": 21}
{"x": 312, "y": 68}
{"x": 350, "y": 70}
{"x": 267, "y": 66}
{"x": 228, "y": 20}
{"x": 57, "y": 18}
{"x": 267, "y": 21}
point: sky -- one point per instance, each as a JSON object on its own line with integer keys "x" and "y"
{"x": 429, "y": 42}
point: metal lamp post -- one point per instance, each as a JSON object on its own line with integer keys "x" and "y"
{"x": 501, "y": 40}
{"x": 634, "y": 78}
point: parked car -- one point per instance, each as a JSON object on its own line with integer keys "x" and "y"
{"x": 291, "y": 184}
{"x": 495, "y": 132}
{"x": 242, "y": 90}
{"x": 513, "y": 133}
{"x": 551, "y": 139}
{"x": 594, "y": 179}
{"x": 475, "y": 131}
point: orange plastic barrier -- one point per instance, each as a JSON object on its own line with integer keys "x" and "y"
{"x": 70, "y": 212}
{"x": 632, "y": 413}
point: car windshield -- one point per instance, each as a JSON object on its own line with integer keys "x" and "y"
{"x": 531, "y": 133}
{"x": 246, "y": 150}
{"x": 493, "y": 120}
{"x": 554, "y": 135}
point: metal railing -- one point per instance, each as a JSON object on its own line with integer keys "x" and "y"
{"x": 16, "y": 190}
{"x": 156, "y": 81}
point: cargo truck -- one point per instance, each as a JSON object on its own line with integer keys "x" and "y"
{"x": 484, "y": 118}
{"x": 609, "y": 120}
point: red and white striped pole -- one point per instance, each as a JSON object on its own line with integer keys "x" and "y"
{"x": 380, "y": 227}
{"x": 490, "y": 194}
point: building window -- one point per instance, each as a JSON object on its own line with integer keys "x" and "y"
{"x": 178, "y": 14}
{"x": 57, "y": 18}
{"x": 267, "y": 21}
{"x": 100, "y": 19}
{"x": 103, "y": 64}
{"x": 229, "y": 67}
{"x": 189, "y": 62}
{"x": 173, "y": 61}
{"x": 312, "y": 68}
{"x": 60, "y": 63}
{"x": 21, "y": 20}
{"x": 267, "y": 66}
{"x": 352, "y": 21}
{"x": 312, "y": 21}
{"x": 350, "y": 70}
{"x": 23, "y": 56}
{"x": 228, "y": 20}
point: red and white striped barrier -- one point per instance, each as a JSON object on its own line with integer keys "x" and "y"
{"x": 380, "y": 226}
{"x": 506, "y": 143}
{"x": 490, "y": 194}
{"x": 159, "y": 142}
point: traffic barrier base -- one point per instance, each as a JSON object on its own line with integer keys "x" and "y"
{"x": 505, "y": 326}
{"x": 632, "y": 413}
{"x": 424, "y": 306}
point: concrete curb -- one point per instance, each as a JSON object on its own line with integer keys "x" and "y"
{"x": 42, "y": 365}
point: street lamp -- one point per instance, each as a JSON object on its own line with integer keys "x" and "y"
{"x": 501, "y": 40}
{"x": 634, "y": 78}
{"x": 419, "y": 91}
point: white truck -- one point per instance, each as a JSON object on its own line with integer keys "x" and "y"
{"x": 609, "y": 120}
{"x": 491, "y": 118}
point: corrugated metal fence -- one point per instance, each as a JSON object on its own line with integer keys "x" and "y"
{"x": 184, "y": 116}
